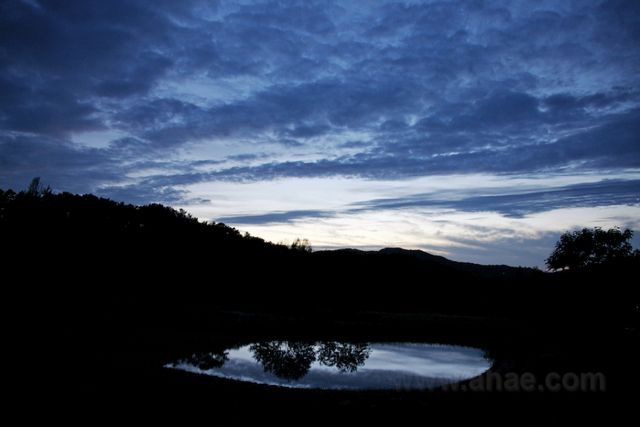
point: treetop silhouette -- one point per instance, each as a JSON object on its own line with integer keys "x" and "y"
{"x": 590, "y": 246}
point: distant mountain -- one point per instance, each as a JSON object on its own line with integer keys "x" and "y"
{"x": 488, "y": 271}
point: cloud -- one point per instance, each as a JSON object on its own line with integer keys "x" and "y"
{"x": 509, "y": 202}
{"x": 274, "y": 217}
{"x": 58, "y": 163}
{"x": 424, "y": 77}
{"x": 141, "y": 194}
{"x": 611, "y": 145}
{"x": 520, "y": 204}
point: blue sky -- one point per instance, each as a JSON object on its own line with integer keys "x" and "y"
{"x": 478, "y": 130}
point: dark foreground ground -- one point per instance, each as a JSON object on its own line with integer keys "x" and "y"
{"x": 121, "y": 370}
{"x": 98, "y": 296}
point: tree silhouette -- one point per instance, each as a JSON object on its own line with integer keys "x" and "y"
{"x": 590, "y": 246}
{"x": 301, "y": 245}
{"x": 36, "y": 189}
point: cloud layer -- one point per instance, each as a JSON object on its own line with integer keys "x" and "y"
{"x": 142, "y": 100}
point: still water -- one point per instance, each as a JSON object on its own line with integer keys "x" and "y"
{"x": 341, "y": 365}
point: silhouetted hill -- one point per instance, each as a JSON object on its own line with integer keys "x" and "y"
{"x": 478, "y": 269}
{"x": 80, "y": 251}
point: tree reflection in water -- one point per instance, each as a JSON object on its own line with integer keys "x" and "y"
{"x": 210, "y": 360}
{"x": 331, "y": 365}
{"x": 292, "y": 360}
{"x": 287, "y": 360}
{"x": 344, "y": 356}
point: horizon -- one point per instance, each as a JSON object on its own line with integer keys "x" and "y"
{"x": 478, "y": 131}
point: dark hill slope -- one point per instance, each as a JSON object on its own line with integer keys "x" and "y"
{"x": 67, "y": 250}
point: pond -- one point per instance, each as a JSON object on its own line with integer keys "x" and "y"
{"x": 341, "y": 365}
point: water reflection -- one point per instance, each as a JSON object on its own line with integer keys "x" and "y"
{"x": 286, "y": 360}
{"x": 207, "y": 361}
{"x": 292, "y": 360}
{"x": 341, "y": 365}
{"x": 345, "y": 357}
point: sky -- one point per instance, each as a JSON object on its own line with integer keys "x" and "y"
{"x": 477, "y": 130}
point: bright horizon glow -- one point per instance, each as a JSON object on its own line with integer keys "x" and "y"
{"x": 335, "y": 219}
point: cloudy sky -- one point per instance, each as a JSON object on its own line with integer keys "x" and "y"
{"x": 478, "y": 130}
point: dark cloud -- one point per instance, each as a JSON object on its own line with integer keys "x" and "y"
{"x": 416, "y": 88}
{"x": 67, "y": 167}
{"x": 562, "y": 102}
{"x": 298, "y": 17}
{"x": 66, "y": 56}
{"x": 59, "y": 164}
{"x": 509, "y": 203}
{"x": 274, "y": 217}
{"x": 299, "y": 111}
{"x": 500, "y": 109}
{"x": 604, "y": 193}
{"x": 245, "y": 157}
{"x": 613, "y": 144}
{"x": 142, "y": 194}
